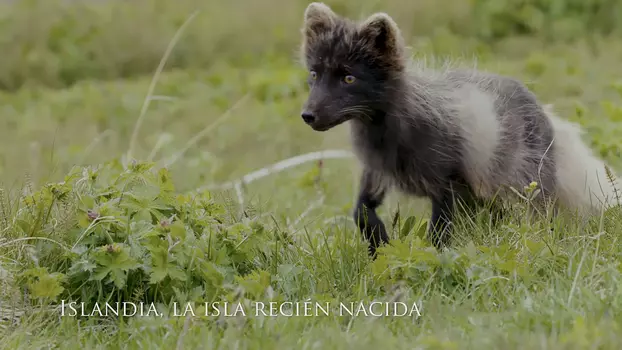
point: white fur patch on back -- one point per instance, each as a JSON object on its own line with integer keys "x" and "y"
{"x": 479, "y": 126}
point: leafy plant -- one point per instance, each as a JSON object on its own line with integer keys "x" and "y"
{"x": 131, "y": 235}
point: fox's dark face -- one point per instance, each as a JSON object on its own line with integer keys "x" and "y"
{"x": 341, "y": 91}
{"x": 351, "y": 66}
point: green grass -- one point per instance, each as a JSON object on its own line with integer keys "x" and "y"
{"x": 227, "y": 104}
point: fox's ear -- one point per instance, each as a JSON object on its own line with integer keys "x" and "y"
{"x": 318, "y": 18}
{"x": 382, "y": 35}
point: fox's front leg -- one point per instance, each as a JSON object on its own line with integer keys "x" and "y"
{"x": 371, "y": 195}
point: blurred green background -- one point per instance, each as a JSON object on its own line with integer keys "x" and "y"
{"x": 58, "y": 43}
{"x": 74, "y": 77}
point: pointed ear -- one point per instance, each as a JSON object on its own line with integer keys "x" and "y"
{"x": 382, "y": 36}
{"x": 318, "y": 18}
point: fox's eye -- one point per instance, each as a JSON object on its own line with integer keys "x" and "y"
{"x": 313, "y": 75}
{"x": 349, "y": 79}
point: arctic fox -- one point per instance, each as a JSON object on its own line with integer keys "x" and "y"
{"x": 453, "y": 134}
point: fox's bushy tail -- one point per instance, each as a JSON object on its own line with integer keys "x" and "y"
{"x": 583, "y": 182}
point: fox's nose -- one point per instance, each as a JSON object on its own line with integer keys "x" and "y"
{"x": 308, "y": 117}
